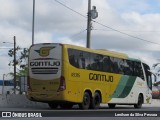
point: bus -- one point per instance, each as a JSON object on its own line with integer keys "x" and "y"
{"x": 63, "y": 75}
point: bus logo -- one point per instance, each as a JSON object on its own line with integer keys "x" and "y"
{"x": 44, "y": 51}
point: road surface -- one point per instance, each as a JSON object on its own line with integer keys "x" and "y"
{"x": 147, "y": 112}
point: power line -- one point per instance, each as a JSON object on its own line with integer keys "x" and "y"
{"x": 70, "y": 8}
{"x": 125, "y": 30}
{"x": 74, "y": 12}
{"x": 125, "y": 33}
{"x": 107, "y": 26}
{"x": 77, "y": 33}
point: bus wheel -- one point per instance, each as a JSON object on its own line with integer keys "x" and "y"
{"x": 53, "y": 105}
{"x": 66, "y": 105}
{"x": 140, "y": 102}
{"x": 111, "y": 105}
{"x": 86, "y": 101}
{"x": 96, "y": 101}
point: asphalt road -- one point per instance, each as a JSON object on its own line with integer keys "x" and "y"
{"x": 104, "y": 113}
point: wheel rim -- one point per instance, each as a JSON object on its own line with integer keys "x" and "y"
{"x": 86, "y": 100}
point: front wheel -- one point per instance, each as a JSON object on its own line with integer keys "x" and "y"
{"x": 140, "y": 102}
{"x": 86, "y": 101}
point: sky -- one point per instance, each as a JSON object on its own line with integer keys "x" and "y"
{"x": 122, "y": 25}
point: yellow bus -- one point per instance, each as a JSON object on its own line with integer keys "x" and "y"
{"x": 64, "y": 75}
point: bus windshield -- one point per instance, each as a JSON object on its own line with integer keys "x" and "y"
{"x": 148, "y": 75}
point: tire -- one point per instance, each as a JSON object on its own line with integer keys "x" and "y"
{"x": 111, "y": 105}
{"x": 66, "y": 105}
{"x": 86, "y": 101}
{"x": 95, "y": 104}
{"x": 140, "y": 102}
{"x": 53, "y": 105}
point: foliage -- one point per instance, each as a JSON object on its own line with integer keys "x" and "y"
{"x": 21, "y": 61}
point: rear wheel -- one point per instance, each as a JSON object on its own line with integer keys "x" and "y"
{"x": 53, "y": 105}
{"x": 140, "y": 102}
{"x": 95, "y": 104}
{"x": 111, "y": 105}
{"x": 86, "y": 101}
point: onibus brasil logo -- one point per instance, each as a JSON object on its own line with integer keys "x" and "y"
{"x": 44, "y": 51}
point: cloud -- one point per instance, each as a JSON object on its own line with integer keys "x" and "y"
{"x": 4, "y": 68}
{"x": 56, "y": 23}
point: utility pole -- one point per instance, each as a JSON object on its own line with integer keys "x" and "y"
{"x": 92, "y": 14}
{"x": 33, "y": 22}
{"x": 89, "y": 24}
{"x": 14, "y": 64}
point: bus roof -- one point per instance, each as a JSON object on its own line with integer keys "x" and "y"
{"x": 103, "y": 51}
{"x": 98, "y": 51}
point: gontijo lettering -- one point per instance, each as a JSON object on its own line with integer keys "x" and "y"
{"x": 45, "y": 63}
{"x": 100, "y": 77}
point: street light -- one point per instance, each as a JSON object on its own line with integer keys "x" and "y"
{"x": 14, "y": 51}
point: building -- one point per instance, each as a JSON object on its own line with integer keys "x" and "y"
{"x": 7, "y": 88}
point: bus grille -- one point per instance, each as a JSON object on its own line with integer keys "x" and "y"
{"x": 44, "y": 70}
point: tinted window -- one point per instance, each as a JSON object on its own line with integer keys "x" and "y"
{"x": 148, "y": 76}
{"x": 107, "y": 64}
{"x": 73, "y": 57}
{"x": 138, "y": 70}
{"x": 79, "y": 59}
{"x": 98, "y": 62}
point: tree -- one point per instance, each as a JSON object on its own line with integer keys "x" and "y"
{"x": 21, "y": 61}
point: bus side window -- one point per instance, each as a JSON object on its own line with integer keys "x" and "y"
{"x": 106, "y": 62}
{"x": 71, "y": 56}
{"x": 121, "y": 66}
{"x": 138, "y": 70}
{"x": 130, "y": 67}
{"x": 81, "y": 60}
{"x": 115, "y": 66}
{"x": 87, "y": 60}
{"x": 96, "y": 62}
